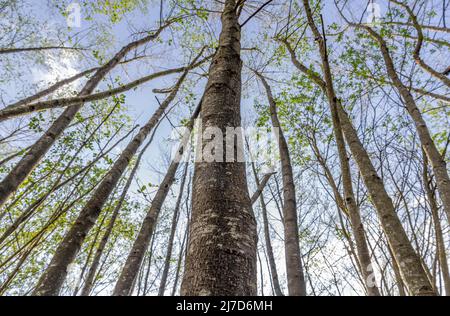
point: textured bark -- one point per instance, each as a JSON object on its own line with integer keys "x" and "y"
{"x": 270, "y": 255}
{"x": 23, "y": 168}
{"x": 130, "y": 270}
{"x": 440, "y": 243}
{"x": 52, "y": 279}
{"x": 436, "y": 160}
{"x": 173, "y": 229}
{"x": 294, "y": 269}
{"x": 221, "y": 256}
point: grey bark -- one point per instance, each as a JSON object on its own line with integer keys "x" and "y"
{"x": 180, "y": 259}
{"x": 23, "y": 109}
{"x": 221, "y": 256}
{"x": 294, "y": 269}
{"x": 408, "y": 261}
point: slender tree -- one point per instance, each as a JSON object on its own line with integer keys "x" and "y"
{"x": 294, "y": 269}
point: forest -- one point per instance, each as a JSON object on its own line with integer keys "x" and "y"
{"x": 224, "y": 148}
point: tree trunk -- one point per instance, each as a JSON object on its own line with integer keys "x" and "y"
{"x": 349, "y": 197}
{"x": 53, "y": 278}
{"x": 294, "y": 269}
{"x": 131, "y": 268}
{"x": 221, "y": 256}
{"x": 436, "y": 160}
{"x": 89, "y": 282}
{"x": 180, "y": 259}
{"x": 440, "y": 243}
{"x": 350, "y": 209}
{"x": 270, "y": 255}
{"x": 408, "y": 261}
{"x": 173, "y": 229}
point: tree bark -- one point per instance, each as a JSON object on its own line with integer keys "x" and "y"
{"x": 221, "y": 256}
{"x": 293, "y": 257}
{"x": 15, "y": 111}
{"x": 89, "y": 282}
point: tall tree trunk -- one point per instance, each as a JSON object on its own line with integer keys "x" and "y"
{"x": 434, "y": 156}
{"x": 20, "y": 172}
{"x": 270, "y": 255}
{"x": 440, "y": 243}
{"x": 294, "y": 269}
{"x": 53, "y": 278}
{"x": 89, "y": 282}
{"x": 221, "y": 256}
{"x": 131, "y": 268}
{"x": 173, "y": 229}
{"x": 349, "y": 197}
{"x": 354, "y": 212}
{"x": 409, "y": 262}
